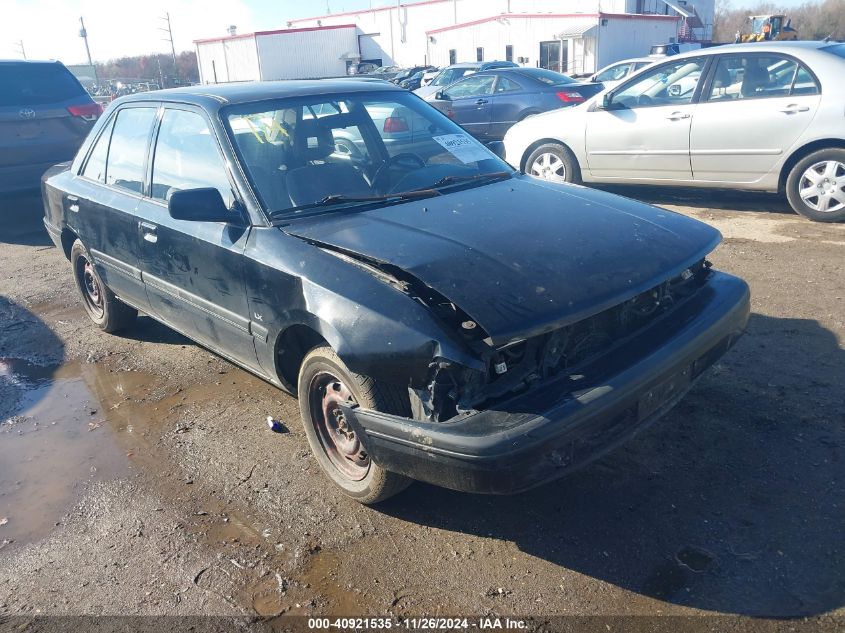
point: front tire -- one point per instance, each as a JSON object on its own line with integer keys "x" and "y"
{"x": 101, "y": 305}
{"x": 554, "y": 162}
{"x": 815, "y": 186}
{"x": 324, "y": 383}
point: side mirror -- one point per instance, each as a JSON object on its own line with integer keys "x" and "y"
{"x": 441, "y": 95}
{"x": 606, "y": 101}
{"x": 498, "y": 148}
{"x": 198, "y": 205}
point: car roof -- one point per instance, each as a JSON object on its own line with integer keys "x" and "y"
{"x": 212, "y": 96}
{"x": 29, "y": 61}
{"x": 759, "y": 47}
{"x": 634, "y": 59}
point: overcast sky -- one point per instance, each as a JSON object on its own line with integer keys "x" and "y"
{"x": 50, "y": 28}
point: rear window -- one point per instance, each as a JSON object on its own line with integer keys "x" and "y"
{"x": 36, "y": 84}
{"x": 836, "y": 49}
{"x": 548, "y": 77}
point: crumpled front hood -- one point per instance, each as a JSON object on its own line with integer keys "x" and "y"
{"x": 522, "y": 256}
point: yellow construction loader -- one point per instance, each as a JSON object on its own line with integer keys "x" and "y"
{"x": 767, "y": 28}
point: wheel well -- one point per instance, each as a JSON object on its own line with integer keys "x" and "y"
{"x": 291, "y": 347}
{"x": 536, "y": 144}
{"x": 68, "y": 238}
{"x": 526, "y": 114}
{"x": 802, "y": 152}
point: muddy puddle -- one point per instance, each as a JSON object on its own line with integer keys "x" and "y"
{"x": 62, "y": 427}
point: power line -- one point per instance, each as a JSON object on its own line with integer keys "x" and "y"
{"x": 19, "y": 44}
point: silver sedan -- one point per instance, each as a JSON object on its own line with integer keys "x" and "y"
{"x": 767, "y": 116}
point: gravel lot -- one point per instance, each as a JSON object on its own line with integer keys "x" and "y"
{"x": 138, "y": 476}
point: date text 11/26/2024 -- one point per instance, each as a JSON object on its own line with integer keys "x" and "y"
{"x": 417, "y": 624}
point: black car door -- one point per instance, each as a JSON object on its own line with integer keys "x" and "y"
{"x": 193, "y": 270}
{"x": 101, "y": 207}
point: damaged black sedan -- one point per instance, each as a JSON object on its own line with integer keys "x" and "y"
{"x": 440, "y": 316}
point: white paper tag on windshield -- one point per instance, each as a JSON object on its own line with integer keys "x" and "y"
{"x": 462, "y": 147}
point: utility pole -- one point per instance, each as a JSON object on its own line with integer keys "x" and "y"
{"x": 20, "y": 46}
{"x": 169, "y": 38}
{"x": 84, "y": 35}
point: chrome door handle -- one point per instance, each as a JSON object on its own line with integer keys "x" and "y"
{"x": 795, "y": 109}
{"x": 678, "y": 116}
{"x": 148, "y": 232}
{"x": 73, "y": 207}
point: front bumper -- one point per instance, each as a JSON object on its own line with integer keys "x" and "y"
{"x": 563, "y": 424}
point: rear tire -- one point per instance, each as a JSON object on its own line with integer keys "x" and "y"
{"x": 101, "y": 305}
{"x": 554, "y": 162}
{"x": 815, "y": 186}
{"x": 324, "y": 382}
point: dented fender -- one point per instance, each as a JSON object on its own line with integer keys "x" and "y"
{"x": 376, "y": 329}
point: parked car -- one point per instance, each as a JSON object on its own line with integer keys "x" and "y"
{"x": 440, "y": 316}
{"x": 488, "y": 103}
{"x": 412, "y": 82}
{"x": 45, "y": 114}
{"x": 407, "y": 73}
{"x": 764, "y": 117}
{"x": 428, "y": 76}
{"x": 384, "y": 72}
{"x": 453, "y": 73}
{"x": 612, "y": 75}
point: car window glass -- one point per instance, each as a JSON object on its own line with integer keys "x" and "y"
{"x": 95, "y": 168}
{"x": 546, "y": 76}
{"x": 506, "y": 85}
{"x": 131, "y": 132}
{"x": 836, "y": 49}
{"x": 187, "y": 157}
{"x": 300, "y": 151}
{"x": 614, "y": 73}
{"x": 639, "y": 65}
{"x": 475, "y": 85}
{"x": 805, "y": 83}
{"x": 741, "y": 77}
{"x": 668, "y": 84}
{"x": 31, "y": 84}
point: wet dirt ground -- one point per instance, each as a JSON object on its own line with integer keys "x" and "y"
{"x": 138, "y": 475}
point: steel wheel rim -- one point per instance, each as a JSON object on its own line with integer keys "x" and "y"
{"x": 822, "y": 186}
{"x": 549, "y": 167}
{"x": 92, "y": 292}
{"x": 338, "y": 441}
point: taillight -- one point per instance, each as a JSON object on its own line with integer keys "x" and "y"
{"x": 395, "y": 124}
{"x": 570, "y": 96}
{"x": 87, "y": 111}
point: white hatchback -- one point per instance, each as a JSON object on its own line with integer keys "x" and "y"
{"x": 766, "y": 116}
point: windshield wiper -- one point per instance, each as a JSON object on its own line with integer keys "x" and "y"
{"x": 450, "y": 180}
{"x": 341, "y": 199}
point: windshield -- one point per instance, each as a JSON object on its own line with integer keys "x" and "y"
{"x": 548, "y": 77}
{"x": 355, "y": 148}
{"x": 836, "y": 49}
{"x": 450, "y": 76}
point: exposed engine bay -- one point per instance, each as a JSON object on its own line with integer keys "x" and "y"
{"x": 517, "y": 366}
